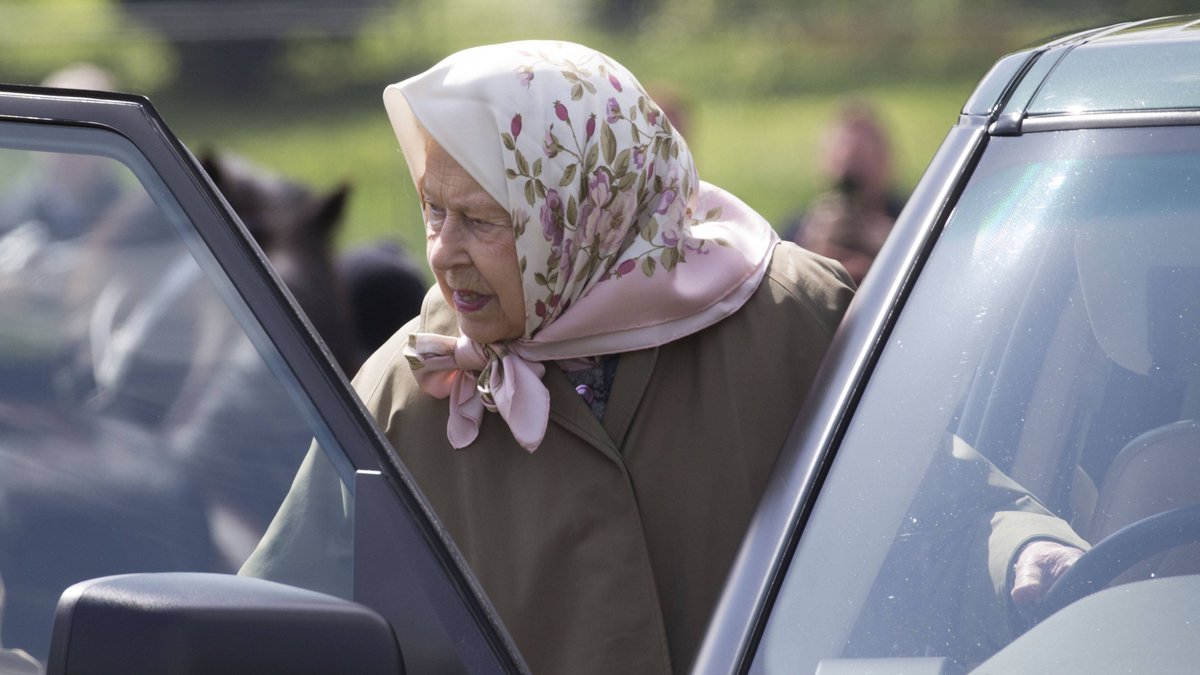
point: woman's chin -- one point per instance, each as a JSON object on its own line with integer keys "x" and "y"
{"x": 484, "y": 331}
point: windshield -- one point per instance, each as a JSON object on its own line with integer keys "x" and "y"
{"x": 1041, "y": 382}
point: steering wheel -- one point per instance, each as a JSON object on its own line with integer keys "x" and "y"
{"x": 1121, "y": 550}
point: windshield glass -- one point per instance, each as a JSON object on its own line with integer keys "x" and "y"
{"x": 147, "y": 422}
{"x": 1041, "y": 383}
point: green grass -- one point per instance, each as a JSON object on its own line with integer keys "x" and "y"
{"x": 762, "y": 150}
{"x": 765, "y": 151}
{"x": 763, "y": 77}
{"x": 761, "y": 83}
{"x": 321, "y": 147}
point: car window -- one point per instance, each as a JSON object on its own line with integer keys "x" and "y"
{"x": 146, "y": 421}
{"x": 1041, "y": 381}
{"x": 1112, "y": 76}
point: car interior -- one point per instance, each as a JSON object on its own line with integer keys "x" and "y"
{"x": 1109, "y": 425}
{"x": 1088, "y": 395}
{"x": 1052, "y": 333}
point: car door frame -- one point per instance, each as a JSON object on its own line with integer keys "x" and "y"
{"x": 997, "y": 107}
{"x": 401, "y": 514}
{"x": 754, "y": 581}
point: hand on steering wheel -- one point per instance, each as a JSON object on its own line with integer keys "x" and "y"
{"x": 1119, "y": 551}
{"x": 1039, "y": 565}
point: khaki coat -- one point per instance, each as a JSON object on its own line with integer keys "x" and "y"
{"x": 606, "y": 549}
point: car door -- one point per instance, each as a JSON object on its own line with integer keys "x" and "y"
{"x": 159, "y": 389}
{"x": 1020, "y": 372}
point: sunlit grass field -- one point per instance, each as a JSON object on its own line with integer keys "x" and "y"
{"x": 761, "y": 80}
{"x": 762, "y": 150}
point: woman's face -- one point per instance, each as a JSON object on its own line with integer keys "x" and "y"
{"x": 472, "y": 251}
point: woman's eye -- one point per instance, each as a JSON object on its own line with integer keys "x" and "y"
{"x": 488, "y": 223}
{"x": 434, "y": 216}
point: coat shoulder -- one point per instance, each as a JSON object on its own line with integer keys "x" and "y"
{"x": 814, "y": 285}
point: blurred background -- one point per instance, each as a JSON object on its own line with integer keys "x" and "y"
{"x": 295, "y": 85}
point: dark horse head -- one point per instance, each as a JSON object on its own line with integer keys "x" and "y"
{"x": 295, "y": 227}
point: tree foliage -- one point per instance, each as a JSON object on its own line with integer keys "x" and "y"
{"x": 40, "y": 36}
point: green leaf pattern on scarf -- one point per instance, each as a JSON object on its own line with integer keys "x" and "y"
{"x": 613, "y": 195}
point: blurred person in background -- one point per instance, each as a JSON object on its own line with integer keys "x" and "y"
{"x": 852, "y": 217}
{"x": 675, "y": 104}
{"x": 69, "y": 192}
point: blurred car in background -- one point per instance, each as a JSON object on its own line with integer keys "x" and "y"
{"x": 1031, "y": 326}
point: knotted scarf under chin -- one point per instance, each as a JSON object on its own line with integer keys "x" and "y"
{"x": 478, "y": 378}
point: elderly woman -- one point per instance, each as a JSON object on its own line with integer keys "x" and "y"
{"x": 596, "y": 391}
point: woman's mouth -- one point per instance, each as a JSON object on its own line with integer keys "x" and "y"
{"x": 470, "y": 301}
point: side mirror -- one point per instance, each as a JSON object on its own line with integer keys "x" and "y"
{"x": 214, "y": 623}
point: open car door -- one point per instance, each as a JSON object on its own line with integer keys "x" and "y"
{"x": 159, "y": 389}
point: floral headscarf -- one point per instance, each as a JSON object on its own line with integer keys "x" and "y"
{"x": 621, "y": 246}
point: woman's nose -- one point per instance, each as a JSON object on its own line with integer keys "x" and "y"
{"x": 446, "y": 248}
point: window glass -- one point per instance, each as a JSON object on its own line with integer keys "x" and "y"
{"x": 146, "y": 422}
{"x": 1105, "y": 76}
{"x": 1042, "y": 382}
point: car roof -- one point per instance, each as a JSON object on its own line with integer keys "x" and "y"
{"x": 1093, "y": 77}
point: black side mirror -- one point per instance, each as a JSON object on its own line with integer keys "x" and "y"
{"x": 214, "y": 623}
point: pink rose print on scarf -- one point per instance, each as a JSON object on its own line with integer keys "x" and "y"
{"x": 671, "y": 209}
{"x": 602, "y": 227}
{"x": 614, "y": 111}
{"x": 670, "y": 237}
{"x": 550, "y": 146}
{"x": 603, "y": 210}
{"x": 566, "y": 264}
{"x": 525, "y": 76}
{"x": 552, "y": 218}
{"x": 665, "y": 200}
{"x": 599, "y": 187}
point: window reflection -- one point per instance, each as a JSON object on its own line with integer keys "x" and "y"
{"x": 141, "y": 430}
{"x": 1043, "y": 381}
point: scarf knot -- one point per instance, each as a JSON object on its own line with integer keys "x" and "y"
{"x": 478, "y": 378}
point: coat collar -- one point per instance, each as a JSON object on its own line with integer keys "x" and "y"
{"x": 569, "y": 411}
